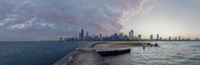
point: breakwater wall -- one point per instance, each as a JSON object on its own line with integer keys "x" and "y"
{"x": 87, "y": 55}
{"x": 114, "y": 52}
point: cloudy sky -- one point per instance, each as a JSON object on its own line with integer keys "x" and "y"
{"x": 24, "y": 20}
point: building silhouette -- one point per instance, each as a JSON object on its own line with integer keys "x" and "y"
{"x": 131, "y": 35}
{"x": 151, "y": 37}
{"x": 179, "y": 37}
{"x": 100, "y": 36}
{"x": 87, "y": 36}
{"x": 81, "y": 35}
{"x": 170, "y": 38}
{"x": 157, "y": 37}
{"x": 139, "y": 37}
{"x": 61, "y": 38}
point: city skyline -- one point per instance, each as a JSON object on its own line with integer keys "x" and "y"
{"x": 86, "y": 36}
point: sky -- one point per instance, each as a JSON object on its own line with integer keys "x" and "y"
{"x": 37, "y": 20}
{"x": 167, "y": 18}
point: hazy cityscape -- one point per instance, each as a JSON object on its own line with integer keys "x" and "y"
{"x": 85, "y": 36}
{"x": 99, "y": 32}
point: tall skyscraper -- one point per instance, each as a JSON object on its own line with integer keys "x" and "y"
{"x": 81, "y": 35}
{"x": 131, "y": 34}
{"x": 157, "y": 38}
{"x": 151, "y": 37}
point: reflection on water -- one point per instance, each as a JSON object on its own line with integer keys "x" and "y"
{"x": 169, "y": 53}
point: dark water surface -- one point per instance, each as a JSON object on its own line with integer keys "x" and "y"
{"x": 34, "y": 53}
{"x": 169, "y": 53}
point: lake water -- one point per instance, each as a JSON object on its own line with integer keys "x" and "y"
{"x": 47, "y": 53}
{"x": 169, "y": 53}
{"x": 34, "y": 53}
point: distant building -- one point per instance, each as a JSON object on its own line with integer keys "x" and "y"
{"x": 126, "y": 37}
{"x": 131, "y": 35}
{"x": 81, "y": 35}
{"x": 61, "y": 38}
{"x": 160, "y": 38}
{"x": 139, "y": 37}
{"x": 100, "y": 36}
{"x": 115, "y": 36}
{"x": 157, "y": 38}
{"x": 170, "y": 38}
{"x": 87, "y": 36}
{"x": 197, "y": 39}
{"x": 179, "y": 37}
{"x": 151, "y": 37}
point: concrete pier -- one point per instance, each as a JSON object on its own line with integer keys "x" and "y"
{"x": 82, "y": 56}
{"x": 90, "y": 54}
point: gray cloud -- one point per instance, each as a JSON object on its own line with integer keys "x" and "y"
{"x": 46, "y": 19}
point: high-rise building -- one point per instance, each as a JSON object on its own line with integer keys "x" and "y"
{"x": 170, "y": 38}
{"x": 121, "y": 36}
{"x": 61, "y": 38}
{"x": 157, "y": 38}
{"x": 100, "y": 36}
{"x": 151, "y": 37}
{"x": 131, "y": 34}
{"x": 115, "y": 36}
{"x": 81, "y": 35}
{"x": 139, "y": 37}
{"x": 179, "y": 37}
{"x": 87, "y": 36}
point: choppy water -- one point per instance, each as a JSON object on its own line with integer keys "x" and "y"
{"x": 34, "y": 53}
{"x": 170, "y": 53}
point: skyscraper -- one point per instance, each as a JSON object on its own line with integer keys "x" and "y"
{"x": 100, "y": 36}
{"x": 81, "y": 35}
{"x": 131, "y": 34}
{"x": 157, "y": 38}
{"x": 151, "y": 37}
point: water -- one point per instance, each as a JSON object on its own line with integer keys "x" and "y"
{"x": 34, "y": 53}
{"x": 170, "y": 53}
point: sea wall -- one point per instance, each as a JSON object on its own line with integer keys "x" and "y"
{"x": 87, "y": 55}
